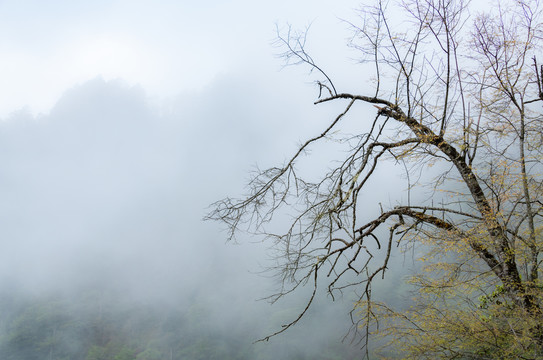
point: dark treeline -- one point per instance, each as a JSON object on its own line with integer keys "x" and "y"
{"x": 100, "y": 325}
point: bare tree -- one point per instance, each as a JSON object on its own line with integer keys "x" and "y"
{"x": 455, "y": 90}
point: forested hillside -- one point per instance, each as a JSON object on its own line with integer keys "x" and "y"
{"x": 101, "y": 325}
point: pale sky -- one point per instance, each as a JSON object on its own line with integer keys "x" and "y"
{"x": 136, "y": 115}
{"x": 167, "y": 47}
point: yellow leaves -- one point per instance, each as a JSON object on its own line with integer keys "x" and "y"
{"x": 452, "y": 315}
{"x": 430, "y": 330}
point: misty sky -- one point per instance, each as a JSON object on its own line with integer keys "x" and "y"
{"x": 121, "y": 121}
{"x": 115, "y": 110}
{"x": 167, "y": 47}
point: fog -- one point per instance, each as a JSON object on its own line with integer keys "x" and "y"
{"x": 121, "y": 122}
{"x": 107, "y": 193}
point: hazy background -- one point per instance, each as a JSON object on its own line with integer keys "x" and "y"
{"x": 121, "y": 121}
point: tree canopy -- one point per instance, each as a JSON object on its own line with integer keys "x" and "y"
{"x": 456, "y": 101}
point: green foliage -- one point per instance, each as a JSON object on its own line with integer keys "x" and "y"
{"x": 485, "y": 300}
{"x": 150, "y": 354}
{"x": 125, "y": 353}
{"x": 91, "y": 328}
{"x": 96, "y": 353}
{"x": 454, "y": 316}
